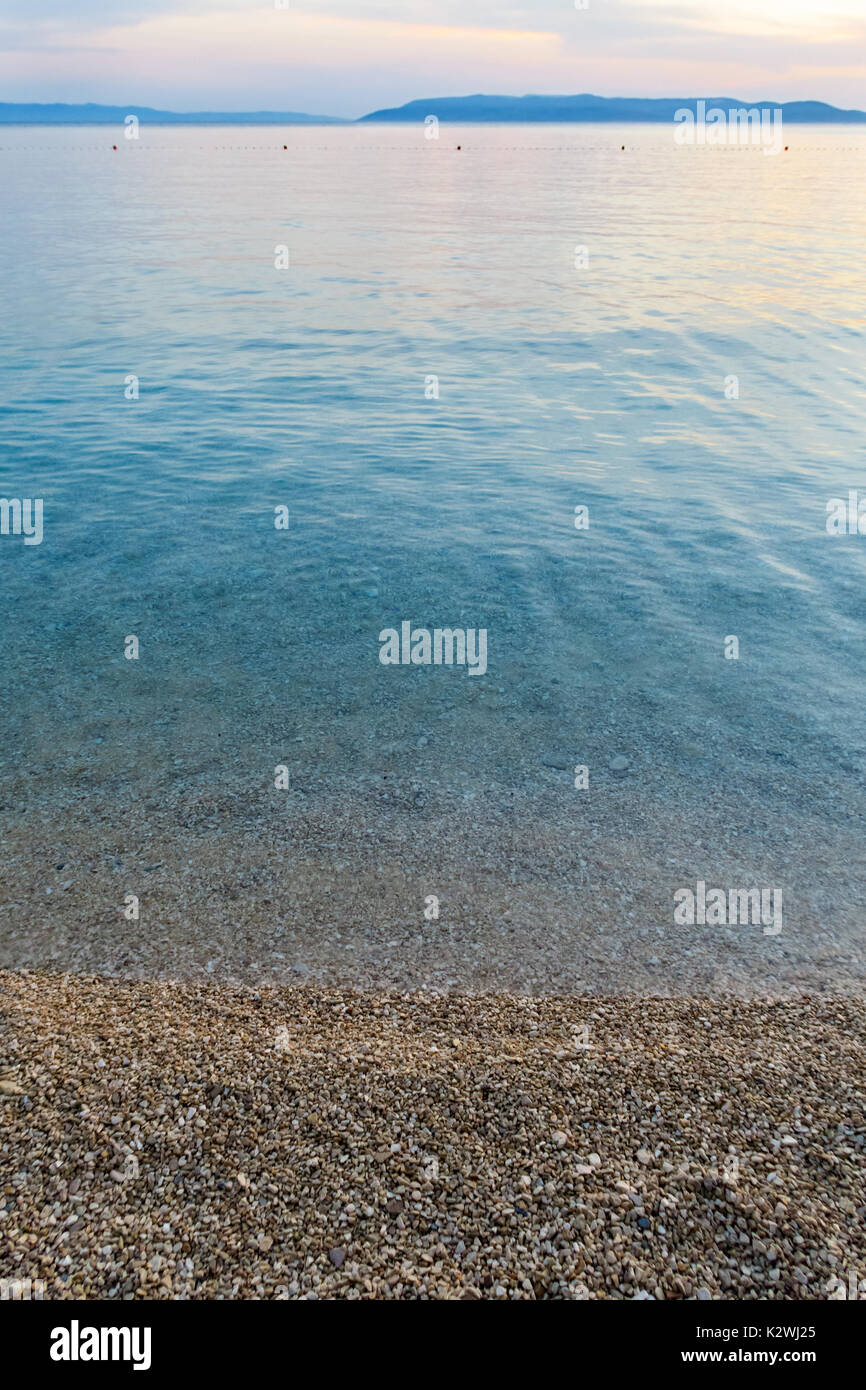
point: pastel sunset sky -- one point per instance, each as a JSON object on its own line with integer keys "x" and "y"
{"x": 346, "y": 57}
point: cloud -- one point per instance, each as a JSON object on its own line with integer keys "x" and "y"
{"x": 348, "y": 56}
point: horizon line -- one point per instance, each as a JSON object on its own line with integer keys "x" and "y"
{"x": 651, "y": 112}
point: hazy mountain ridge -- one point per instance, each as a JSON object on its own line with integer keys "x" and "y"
{"x": 477, "y": 108}
{"x": 59, "y": 113}
{"x": 587, "y": 107}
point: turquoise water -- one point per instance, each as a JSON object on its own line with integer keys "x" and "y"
{"x": 558, "y": 386}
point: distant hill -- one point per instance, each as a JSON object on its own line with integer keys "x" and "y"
{"x": 591, "y": 108}
{"x": 474, "y": 108}
{"x": 26, "y": 113}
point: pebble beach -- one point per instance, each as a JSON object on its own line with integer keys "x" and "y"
{"x": 168, "y": 1140}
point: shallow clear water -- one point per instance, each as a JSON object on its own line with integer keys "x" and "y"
{"x": 558, "y": 386}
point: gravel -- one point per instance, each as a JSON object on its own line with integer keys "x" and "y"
{"x": 541, "y": 890}
{"x": 164, "y": 1140}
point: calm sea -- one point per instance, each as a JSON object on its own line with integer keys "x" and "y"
{"x": 430, "y": 357}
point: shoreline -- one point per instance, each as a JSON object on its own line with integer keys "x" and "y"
{"x": 538, "y": 891}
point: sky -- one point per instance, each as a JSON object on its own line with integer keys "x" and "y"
{"x": 348, "y": 57}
